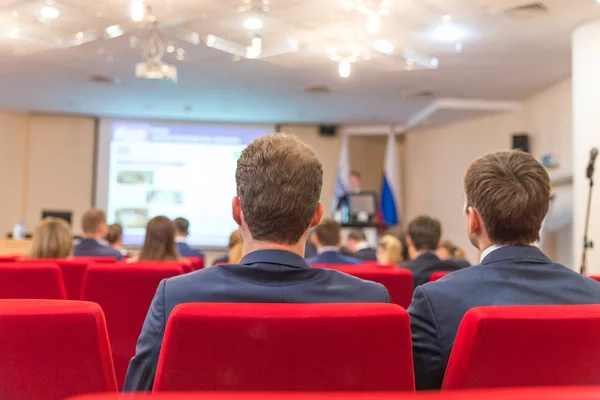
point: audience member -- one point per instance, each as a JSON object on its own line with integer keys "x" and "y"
{"x": 310, "y": 250}
{"x": 507, "y": 198}
{"x": 389, "y": 251}
{"x": 360, "y": 248}
{"x": 279, "y": 182}
{"x": 422, "y": 239}
{"x": 51, "y": 239}
{"x": 182, "y": 231}
{"x": 327, "y": 239}
{"x": 114, "y": 237}
{"x": 234, "y": 250}
{"x": 159, "y": 244}
{"x": 447, "y": 250}
{"x": 92, "y": 243}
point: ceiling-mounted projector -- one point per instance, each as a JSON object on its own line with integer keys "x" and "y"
{"x": 156, "y": 71}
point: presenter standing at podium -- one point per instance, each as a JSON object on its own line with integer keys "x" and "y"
{"x": 354, "y": 181}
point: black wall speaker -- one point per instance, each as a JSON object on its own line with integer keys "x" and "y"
{"x": 521, "y": 141}
{"x": 327, "y": 130}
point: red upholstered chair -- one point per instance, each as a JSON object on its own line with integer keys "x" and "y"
{"x": 398, "y": 282}
{"x": 526, "y": 346}
{"x": 9, "y": 258}
{"x": 53, "y": 349}
{"x": 286, "y": 347}
{"x": 72, "y": 272}
{"x": 571, "y": 393}
{"x": 31, "y": 280}
{"x": 125, "y": 291}
{"x": 595, "y": 277}
{"x": 338, "y": 266}
{"x": 198, "y": 262}
{"x": 96, "y": 260}
{"x": 438, "y": 275}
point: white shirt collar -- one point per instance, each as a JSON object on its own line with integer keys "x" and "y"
{"x": 179, "y": 239}
{"x": 489, "y": 251}
{"x": 361, "y": 246}
{"x": 325, "y": 249}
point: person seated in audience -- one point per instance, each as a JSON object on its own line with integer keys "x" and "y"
{"x": 159, "y": 243}
{"x": 182, "y": 231}
{"x": 279, "y": 181}
{"x": 422, "y": 239}
{"x": 389, "y": 251}
{"x": 310, "y": 250}
{"x": 234, "y": 250}
{"x": 51, "y": 239}
{"x": 92, "y": 243}
{"x": 327, "y": 239}
{"x": 447, "y": 250}
{"x": 360, "y": 248}
{"x": 114, "y": 237}
{"x": 507, "y": 198}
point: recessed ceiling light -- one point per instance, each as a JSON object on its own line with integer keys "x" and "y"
{"x": 373, "y": 24}
{"x": 49, "y": 12}
{"x": 448, "y": 32}
{"x": 13, "y": 33}
{"x": 435, "y": 62}
{"x": 114, "y": 31}
{"x": 170, "y": 48}
{"x": 383, "y": 46}
{"x": 253, "y": 24}
{"x": 345, "y": 68}
{"x": 137, "y": 10}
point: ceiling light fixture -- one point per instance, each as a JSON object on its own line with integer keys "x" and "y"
{"x": 49, "y": 12}
{"x": 345, "y": 68}
{"x": 448, "y": 32}
{"x": 373, "y": 24}
{"x": 253, "y": 24}
{"x": 113, "y": 31}
{"x": 170, "y": 48}
{"x": 138, "y": 11}
{"x": 255, "y": 49}
{"x": 13, "y": 33}
{"x": 383, "y": 46}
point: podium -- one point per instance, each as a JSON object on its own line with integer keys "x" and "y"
{"x": 371, "y": 231}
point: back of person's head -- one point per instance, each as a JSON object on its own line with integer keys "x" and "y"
{"x": 159, "y": 244}
{"x": 235, "y": 248}
{"x": 114, "y": 234}
{"x": 93, "y": 222}
{"x": 507, "y": 198}
{"x": 355, "y": 238}
{"x": 279, "y": 181}
{"x": 327, "y": 233}
{"x": 424, "y": 233}
{"x": 51, "y": 239}
{"x": 389, "y": 250}
{"x": 447, "y": 250}
{"x": 182, "y": 226}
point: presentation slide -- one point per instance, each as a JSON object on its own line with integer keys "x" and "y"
{"x": 176, "y": 170}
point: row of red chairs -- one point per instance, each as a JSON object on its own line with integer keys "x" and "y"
{"x": 54, "y": 349}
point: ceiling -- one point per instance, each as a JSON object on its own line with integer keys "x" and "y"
{"x": 505, "y": 58}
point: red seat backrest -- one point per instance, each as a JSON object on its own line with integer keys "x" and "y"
{"x": 125, "y": 291}
{"x": 72, "y": 272}
{"x": 398, "y": 281}
{"x": 31, "y": 280}
{"x": 198, "y": 262}
{"x": 595, "y": 277}
{"x": 97, "y": 260}
{"x": 53, "y": 349}
{"x": 10, "y": 258}
{"x": 438, "y": 275}
{"x": 572, "y": 393}
{"x": 293, "y": 347}
{"x": 526, "y": 346}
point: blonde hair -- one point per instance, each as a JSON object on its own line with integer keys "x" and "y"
{"x": 51, "y": 239}
{"x": 392, "y": 250}
{"x": 235, "y": 252}
{"x": 455, "y": 252}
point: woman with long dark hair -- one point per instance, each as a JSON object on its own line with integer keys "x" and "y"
{"x": 159, "y": 244}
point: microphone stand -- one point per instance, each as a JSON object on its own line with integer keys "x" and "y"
{"x": 587, "y": 244}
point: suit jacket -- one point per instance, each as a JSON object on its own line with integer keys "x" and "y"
{"x": 93, "y": 248}
{"x": 367, "y": 254}
{"x": 423, "y": 266}
{"x": 515, "y": 275}
{"x": 333, "y": 258}
{"x": 266, "y": 276}
{"x": 186, "y": 251}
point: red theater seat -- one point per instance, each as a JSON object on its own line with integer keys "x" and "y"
{"x": 571, "y": 393}
{"x": 197, "y": 262}
{"x": 125, "y": 291}
{"x": 526, "y": 346}
{"x": 10, "y": 258}
{"x": 595, "y": 277}
{"x": 72, "y": 272}
{"x": 53, "y": 349}
{"x": 31, "y": 280}
{"x": 438, "y": 275}
{"x": 399, "y": 282}
{"x": 286, "y": 347}
{"x": 97, "y": 260}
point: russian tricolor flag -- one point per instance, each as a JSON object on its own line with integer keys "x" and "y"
{"x": 390, "y": 187}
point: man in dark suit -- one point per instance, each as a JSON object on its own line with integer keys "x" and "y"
{"x": 360, "y": 248}
{"x": 279, "y": 180}
{"x": 93, "y": 243}
{"x": 507, "y": 198}
{"x": 422, "y": 239}
{"x": 182, "y": 231}
{"x": 327, "y": 239}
